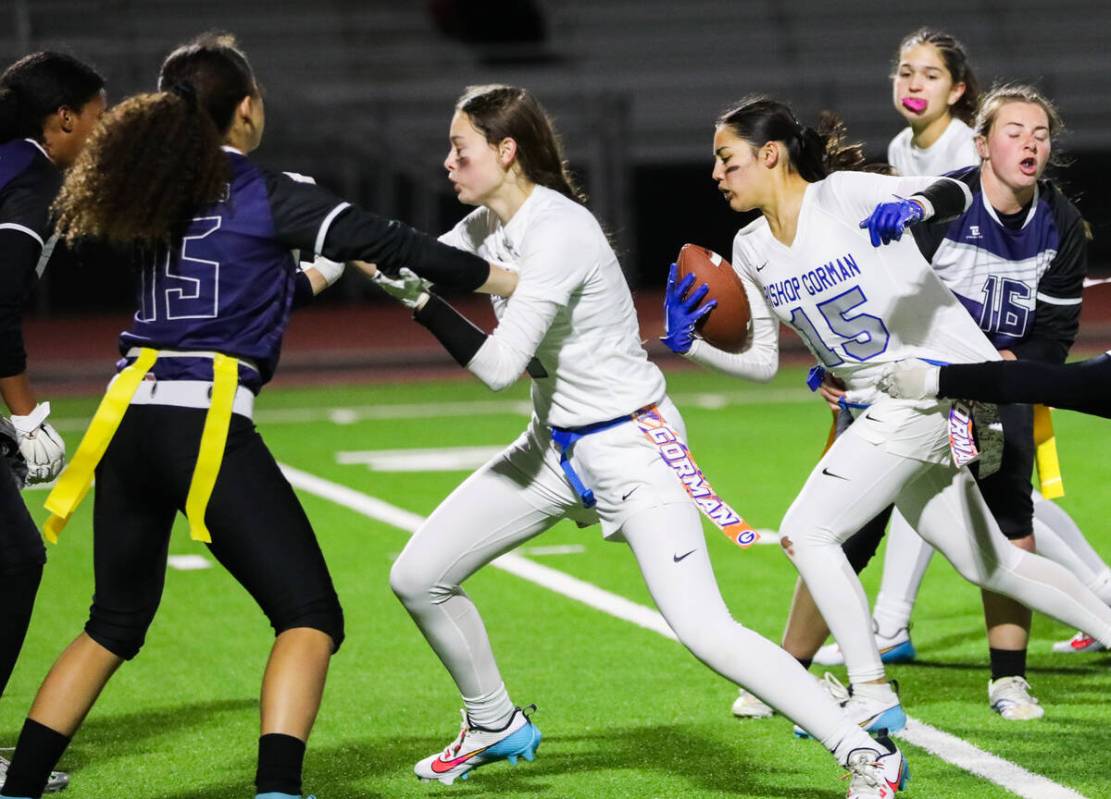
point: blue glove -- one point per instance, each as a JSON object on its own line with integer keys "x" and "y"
{"x": 681, "y": 313}
{"x": 889, "y": 220}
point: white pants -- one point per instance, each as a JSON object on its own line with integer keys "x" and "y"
{"x": 867, "y": 469}
{"x": 907, "y": 557}
{"x": 522, "y": 493}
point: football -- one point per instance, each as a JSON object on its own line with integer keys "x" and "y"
{"x": 725, "y": 327}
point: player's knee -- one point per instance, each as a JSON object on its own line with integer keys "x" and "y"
{"x": 121, "y": 632}
{"x": 797, "y": 535}
{"x": 416, "y": 586}
{"x": 323, "y": 613}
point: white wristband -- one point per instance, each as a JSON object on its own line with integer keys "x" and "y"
{"x": 330, "y": 270}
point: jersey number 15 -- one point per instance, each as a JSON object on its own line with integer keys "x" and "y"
{"x": 862, "y": 335}
{"x": 186, "y": 287}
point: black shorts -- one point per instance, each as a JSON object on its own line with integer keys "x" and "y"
{"x": 259, "y": 531}
{"x": 21, "y": 544}
{"x": 1008, "y": 491}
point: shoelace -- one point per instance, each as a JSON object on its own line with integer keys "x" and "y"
{"x": 453, "y": 748}
{"x": 835, "y": 688}
{"x": 871, "y": 771}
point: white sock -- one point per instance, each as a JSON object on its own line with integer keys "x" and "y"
{"x": 880, "y": 692}
{"x": 492, "y": 711}
{"x": 904, "y": 565}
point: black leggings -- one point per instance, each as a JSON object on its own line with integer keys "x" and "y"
{"x": 259, "y": 531}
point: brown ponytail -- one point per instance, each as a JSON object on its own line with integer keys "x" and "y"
{"x": 156, "y": 158}
{"x": 153, "y": 160}
{"x": 813, "y": 153}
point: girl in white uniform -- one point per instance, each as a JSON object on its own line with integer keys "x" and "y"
{"x": 935, "y": 92}
{"x": 935, "y": 89}
{"x": 806, "y": 263}
{"x": 604, "y": 444}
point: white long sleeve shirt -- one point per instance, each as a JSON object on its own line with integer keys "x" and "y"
{"x": 855, "y": 306}
{"x": 571, "y": 310}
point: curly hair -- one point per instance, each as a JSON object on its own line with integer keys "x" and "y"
{"x": 153, "y": 160}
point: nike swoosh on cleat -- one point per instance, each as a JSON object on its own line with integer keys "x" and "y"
{"x": 828, "y": 473}
{"x": 678, "y": 558}
{"x": 441, "y": 766}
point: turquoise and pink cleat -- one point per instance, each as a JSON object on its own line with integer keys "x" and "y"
{"x": 476, "y": 746}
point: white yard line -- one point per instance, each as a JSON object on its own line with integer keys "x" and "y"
{"x": 949, "y": 748}
{"x": 346, "y": 415}
{"x": 1002, "y": 772}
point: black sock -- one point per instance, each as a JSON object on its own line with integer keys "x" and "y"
{"x": 17, "y": 598}
{"x": 38, "y": 751}
{"x": 280, "y": 758}
{"x": 805, "y": 662}
{"x": 1007, "y": 663}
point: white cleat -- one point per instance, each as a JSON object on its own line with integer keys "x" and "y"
{"x": 1010, "y": 697}
{"x": 872, "y": 714}
{"x": 749, "y": 706}
{"x": 896, "y": 649}
{"x": 58, "y": 781}
{"x": 1081, "y": 642}
{"x": 477, "y": 746}
{"x": 876, "y": 773}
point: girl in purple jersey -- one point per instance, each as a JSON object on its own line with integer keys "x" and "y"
{"x": 217, "y": 281}
{"x": 49, "y": 103}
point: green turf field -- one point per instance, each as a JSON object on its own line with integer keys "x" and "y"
{"x": 624, "y": 711}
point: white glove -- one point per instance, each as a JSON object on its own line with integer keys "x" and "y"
{"x": 911, "y": 381}
{"x": 408, "y": 287}
{"x": 40, "y": 445}
{"x": 330, "y": 270}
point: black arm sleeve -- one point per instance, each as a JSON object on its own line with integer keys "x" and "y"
{"x": 1084, "y": 386}
{"x": 460, "y": 337}
{"x": 357, "y": 234}
{"x": 302, "y": 290}
{"x": 1057, "y": 312}
{"x": 312, "y": 219}
{"x": 949, "y": 197}
{"x": 20, "y": 257}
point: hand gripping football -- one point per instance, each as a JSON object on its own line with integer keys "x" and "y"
{"x": 725, "y": 327}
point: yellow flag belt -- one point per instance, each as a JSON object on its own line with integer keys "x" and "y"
{"x": 1049, "y": 467}
{"x": 75, "y": 480}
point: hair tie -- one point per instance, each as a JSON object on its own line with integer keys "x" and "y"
{"x": 187, "y": 92}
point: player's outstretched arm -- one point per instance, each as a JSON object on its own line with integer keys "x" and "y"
{"x": 1084, "y": 386}
{"x": 941, "y": 200}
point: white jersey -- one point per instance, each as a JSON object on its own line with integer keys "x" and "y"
{"x": 855, "y": 306}
{"x": 571, "y": 311}
{"x": 954, "y": 149}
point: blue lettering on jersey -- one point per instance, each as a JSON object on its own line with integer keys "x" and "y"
{"x": 830, "y": 275}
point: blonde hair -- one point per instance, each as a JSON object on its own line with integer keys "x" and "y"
{"x": 1000, "y": 95}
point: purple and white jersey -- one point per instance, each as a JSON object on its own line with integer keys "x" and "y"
{"x": 1019, "y": 276}
{"x": 29, "y": 182}
{"x": 227, "y": 284}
